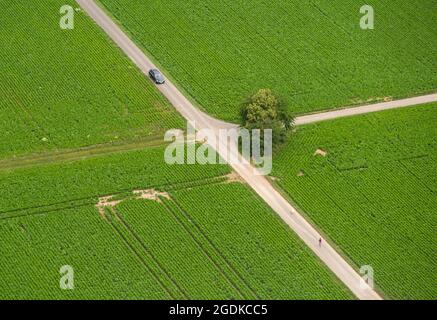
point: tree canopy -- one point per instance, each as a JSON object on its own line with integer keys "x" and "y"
{"x": 264, "y": 110}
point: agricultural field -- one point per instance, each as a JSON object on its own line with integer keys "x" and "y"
{"x": 368, "y": 182}
{"x": 64, "y": 89}
{"x": 84, "y": 182}
{"x": 75, "y": 183}
{"x": 34, "y": 247}
{"x": 313, "y": 53}
{"x": 125, "y": 244}
{"x": 264, "y": 251}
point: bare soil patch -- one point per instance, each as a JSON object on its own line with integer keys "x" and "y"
{"x": 234, "y": 177}
{"x": 320, "y": 152}
{"x": 150, "y": 194}
{"x": 105, "y": 202}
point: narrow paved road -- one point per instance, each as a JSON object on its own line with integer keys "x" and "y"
{"x": 259, "y": 183}
{"x": 353, "y": 111}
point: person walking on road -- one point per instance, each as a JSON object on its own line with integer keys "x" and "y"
{"x": 320, "y": 242}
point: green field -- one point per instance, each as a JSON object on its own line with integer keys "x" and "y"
{"x": 68, "y": 184}
{"x": 80, "y": 123}
{"x": 82, "y": 131}
{"x": 69, "y": 88}
{"x": 311, "y": 52}
{"x": 33, "y": 249}
{"x": 373, "y": 193}
{"x": 263, "y": 249}
{"x": 197, "y": 243}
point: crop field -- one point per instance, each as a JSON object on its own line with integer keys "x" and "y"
{"x": 33, "y": 249}
{"x": 76, "y": 183}
{"x": 263, "y": 250}
{"x": 369, "y": 183}
{"x": 123, "y": 244}
{"x": 48, "y": 212}
{"x": 311, "y": 52}
{"x": 84, "y": 182}
{"x": 69, "y": 88}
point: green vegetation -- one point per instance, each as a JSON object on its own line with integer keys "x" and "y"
{"x": 73, "y": 183}
{"x": 194, "y": 243}
{"x": 69, "y": 88}
{"x": 369, "y": 183}
{"x": 83, "y": 180}
{"x": 264, "y": 110}
{"x": 33, "y": 249}
{"x": 188, "y": 268}
{"x": 263, "y": 251}
{"x": 313, "y": 53}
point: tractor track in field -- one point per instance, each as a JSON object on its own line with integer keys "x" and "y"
{"x": 326, "y": 253}
{"x": 226, "y": 269}
{"x": 129, "y": 193}
{"x": 138, "y": 249}
{"x": 52, "y": 157}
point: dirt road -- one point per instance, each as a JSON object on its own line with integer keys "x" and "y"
{"x": 353, "y": 111}
{"x": 259, "y": 183}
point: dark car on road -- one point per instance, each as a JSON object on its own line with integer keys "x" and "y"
{"x": 156, "y": 76}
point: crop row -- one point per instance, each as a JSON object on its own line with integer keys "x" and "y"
{"x": 181, "y": 255}
{"x": 199, "y": 244}
{"x": 262, "y": 250}
{"x": 70, "y": 88}
{"x": 34, "y": 248}
{"x": 372, "y": 192}
{"x": 94, "y": 177}
{"x": 311, "y": 52}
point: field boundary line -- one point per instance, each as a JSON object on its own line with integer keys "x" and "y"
{"x": 91, "y": 200}
{"x": 196, "y": 183}
{"x": 81, "y": 153}
{"x": 21, "y": 214}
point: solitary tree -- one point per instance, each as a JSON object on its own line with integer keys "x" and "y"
{"x": 263, "y": 110}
